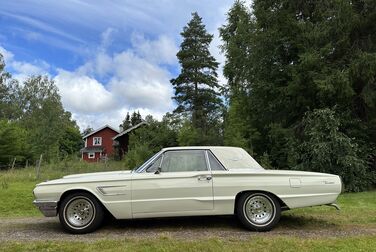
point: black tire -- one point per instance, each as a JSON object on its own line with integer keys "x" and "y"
{"x": 264, "y": 211}
{"x": 80, "y": 213}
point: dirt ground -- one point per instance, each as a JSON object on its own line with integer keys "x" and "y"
{"x": 192, "y": 228}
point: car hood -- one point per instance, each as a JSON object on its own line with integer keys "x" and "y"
{"x": 90, "y": 177}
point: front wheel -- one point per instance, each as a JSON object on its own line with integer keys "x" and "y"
{"x": 258, "y": 211}
{"x": 80, "y": 213}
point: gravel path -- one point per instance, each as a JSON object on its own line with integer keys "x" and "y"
{"x": 193, "y": 228}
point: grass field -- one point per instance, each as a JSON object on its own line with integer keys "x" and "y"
{"x": 358, "y": 212}
{"x": 16, "y": 185}
{"x": 363, "y": 243}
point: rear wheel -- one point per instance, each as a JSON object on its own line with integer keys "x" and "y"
{"x": 80, "y": 213}
{"x": 258, "y": 211}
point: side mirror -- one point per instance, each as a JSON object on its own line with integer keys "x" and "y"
{"x": 159, "y": 169}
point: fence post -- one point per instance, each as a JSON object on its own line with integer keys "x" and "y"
{"x": 14, "y": 162}
{"x": 105, "y": 162}
{"x": 38, "y": 167}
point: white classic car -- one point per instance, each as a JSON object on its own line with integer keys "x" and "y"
{"x": 186, "y": 181}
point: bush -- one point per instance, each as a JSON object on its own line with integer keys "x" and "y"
{"x": 137, "y": 155}
{"x": 326, "y": 149}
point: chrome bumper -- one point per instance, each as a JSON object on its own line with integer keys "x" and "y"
{"x": 335, "y": 205}
{"x": 48, "y": 208}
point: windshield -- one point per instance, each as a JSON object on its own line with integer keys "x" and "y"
{"x": 146, "y": 163}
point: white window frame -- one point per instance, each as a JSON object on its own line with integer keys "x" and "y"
{"x": 91, "y": 155}
{"x": 100, "y": 141}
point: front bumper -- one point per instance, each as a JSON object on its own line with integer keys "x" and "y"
{"x": 48, "y": 208}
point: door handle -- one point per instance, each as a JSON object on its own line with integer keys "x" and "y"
{"x": 203, "y": 178}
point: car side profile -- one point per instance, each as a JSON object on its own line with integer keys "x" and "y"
{"x": 186, "y": 181}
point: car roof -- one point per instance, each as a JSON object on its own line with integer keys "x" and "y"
{"x": 199, "y": 148}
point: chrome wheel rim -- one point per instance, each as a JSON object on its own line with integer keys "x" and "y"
{"x": 259, "y": 210}
{"x": 79, "y": 212}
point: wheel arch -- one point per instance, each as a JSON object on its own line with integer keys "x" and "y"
{"x": 77, "y": 190}
{"x": 282, "y": 204}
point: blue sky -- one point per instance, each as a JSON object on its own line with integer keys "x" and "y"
{"x": 106, "y": 57}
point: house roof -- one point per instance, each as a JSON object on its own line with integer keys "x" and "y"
{"x": 129, "y": 130}
{"x": 102, "y": 128}
{"x": 92, "y": 149}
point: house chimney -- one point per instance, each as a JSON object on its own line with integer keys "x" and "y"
{"x": 121, "y": 128}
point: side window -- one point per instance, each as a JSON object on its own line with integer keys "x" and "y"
{"x": 214, "y": 163}
{"x": 97, "y": 141}
{"x": 185, "y": 160}
{"x": 154, "y": 166}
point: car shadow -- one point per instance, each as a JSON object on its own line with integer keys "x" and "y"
{"x": 199, "y": 226}
{"x": 287, "y": 222}
{"x": 176, "y": 223}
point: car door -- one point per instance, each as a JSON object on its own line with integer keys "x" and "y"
{"x": 184, "y": 184}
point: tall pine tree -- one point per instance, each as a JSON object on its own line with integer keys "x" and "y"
{"x": 126, "y": 124}
{"x": 196, "y": 87}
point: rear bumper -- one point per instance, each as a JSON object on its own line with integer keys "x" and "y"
{"x": 48, "y": 208}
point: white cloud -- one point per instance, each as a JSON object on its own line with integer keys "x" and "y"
{"x": 106, "y": 37}
{"x": 21, "y": 70}
{"x": 83, "y": 94}
{"x": 112, "y": 118}
{"x": 162, "y": 50}
{"x": 8, "y": 56}
{"x": 136, "y": 81}
{"x": 103, "y": 64}
{"x": 29, "y": 69}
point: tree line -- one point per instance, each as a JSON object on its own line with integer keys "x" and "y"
{"x": 33, "y": 121}
{"x": 300, "y": 92}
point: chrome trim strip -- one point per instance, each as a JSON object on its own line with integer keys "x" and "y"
{"x": 101, "y": 190}
{"x": 157, "y": 155}
{"x": 48, "y": 208}
{"x": 211, "y": 153}
{"x": 144, "y": 165}
{"x": 208, "y": 167}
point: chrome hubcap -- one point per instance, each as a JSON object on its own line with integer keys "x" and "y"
{"x": 259, "y": 209}
{"x": 79, "y": 212}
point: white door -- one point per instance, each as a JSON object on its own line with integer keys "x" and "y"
{"x": 184, "y": 184}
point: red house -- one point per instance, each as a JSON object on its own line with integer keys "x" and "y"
{"x": 106, "y": 142}
{"x": 99, "y": 144}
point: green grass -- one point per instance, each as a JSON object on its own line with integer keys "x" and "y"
{"x": 16, "y": 185}
{"x": 358, "y": 212}
{"x": 57, "y": 170}
{"x": 356, "y": 209}
{"x": 279, "y": 243}
{"x": 17, "y": 200}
